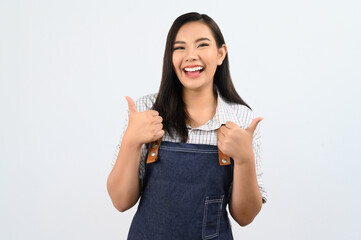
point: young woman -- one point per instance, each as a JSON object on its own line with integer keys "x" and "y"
{"x": 192, "y": 148}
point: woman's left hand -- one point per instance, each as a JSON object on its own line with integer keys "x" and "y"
{"x": 236, "y": 142}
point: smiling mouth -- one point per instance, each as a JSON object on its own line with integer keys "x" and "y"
{"x": 193, "y": 73}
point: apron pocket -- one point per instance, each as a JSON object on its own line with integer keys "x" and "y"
{"x": 212, "y": 216}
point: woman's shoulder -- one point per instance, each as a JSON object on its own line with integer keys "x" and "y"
{"x": 145, "y": 102}
{"x": 241, "y": 109}
{"x": 243, "y": 113}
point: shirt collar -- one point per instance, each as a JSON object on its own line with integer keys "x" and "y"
{"x": 224, "y": 113}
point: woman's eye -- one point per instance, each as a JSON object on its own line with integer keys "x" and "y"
{"x": 203, "y": 44}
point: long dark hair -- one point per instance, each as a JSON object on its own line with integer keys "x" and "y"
{"x": 169, "y": 102}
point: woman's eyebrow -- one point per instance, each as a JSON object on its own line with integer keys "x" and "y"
{"x": 199, "y": 39}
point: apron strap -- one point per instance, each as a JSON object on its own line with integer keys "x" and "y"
{"x": 222, "y": 158}
{"x": 154, "y": 146}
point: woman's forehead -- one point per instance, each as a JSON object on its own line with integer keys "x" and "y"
{"x": 193, "y": 31}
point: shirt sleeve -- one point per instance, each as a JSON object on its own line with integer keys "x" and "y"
{"x": 257, "y": 148}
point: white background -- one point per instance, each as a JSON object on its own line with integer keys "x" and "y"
{"x": 65, "y": 67}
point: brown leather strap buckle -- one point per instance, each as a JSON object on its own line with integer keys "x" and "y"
{"x": 153, "y": 151}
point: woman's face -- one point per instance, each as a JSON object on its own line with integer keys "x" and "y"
{"x": 196, "y": 56}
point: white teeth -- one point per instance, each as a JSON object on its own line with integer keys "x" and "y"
{"x": 193, "y": 69}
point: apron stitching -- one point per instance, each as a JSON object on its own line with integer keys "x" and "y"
{"x": 218, "y": 217}
{"x": 214, "y": 201}
{"x": 188, "y": 150}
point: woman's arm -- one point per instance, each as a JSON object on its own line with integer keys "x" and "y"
{"x": 123, "y": 183}
{"x": 246, "y": 199}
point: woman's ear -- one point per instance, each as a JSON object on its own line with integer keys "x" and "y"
{"x": 222, "y": 51}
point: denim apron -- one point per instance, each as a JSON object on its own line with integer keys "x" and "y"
{"x": 186, "y": 189}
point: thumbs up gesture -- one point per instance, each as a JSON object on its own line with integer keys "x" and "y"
{"x": 237, "y": 142}
{"x": 143, "y": 127}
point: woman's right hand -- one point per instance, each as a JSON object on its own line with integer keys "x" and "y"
{"x": 143, "y": 127}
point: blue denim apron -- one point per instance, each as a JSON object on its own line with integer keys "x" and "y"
{"x": 186, "y": 189}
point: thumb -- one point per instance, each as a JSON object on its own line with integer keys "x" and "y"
{"x": 254, "y": 124}
{"x": 131, "y": 105}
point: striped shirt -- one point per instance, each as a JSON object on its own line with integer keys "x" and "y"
{"x": 207, "y": 133}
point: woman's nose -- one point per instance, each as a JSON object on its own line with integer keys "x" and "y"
{"x": 191, "y": 55}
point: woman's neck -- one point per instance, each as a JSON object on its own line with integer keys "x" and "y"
{"x": 200, "y": 105}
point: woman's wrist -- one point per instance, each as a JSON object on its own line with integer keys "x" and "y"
{"x": 131, "y": 142}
